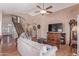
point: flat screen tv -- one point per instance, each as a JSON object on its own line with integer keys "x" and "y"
{"x": 58, "y": 27}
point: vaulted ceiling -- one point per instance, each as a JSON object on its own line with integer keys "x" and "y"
{"x": 30, "y": 8}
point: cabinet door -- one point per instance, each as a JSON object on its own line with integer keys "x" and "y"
{"x": 62, "y": 38}
{"x": 53, "y": 37}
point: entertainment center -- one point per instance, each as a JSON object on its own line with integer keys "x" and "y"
{"x": 55, "y": 34}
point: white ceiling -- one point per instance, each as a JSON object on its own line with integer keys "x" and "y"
{"x": 31, "y": 7}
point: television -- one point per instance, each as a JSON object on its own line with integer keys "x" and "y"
{"x": 58, "y": 27}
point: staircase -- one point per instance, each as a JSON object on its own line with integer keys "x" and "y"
{"x": 18, "y": 27}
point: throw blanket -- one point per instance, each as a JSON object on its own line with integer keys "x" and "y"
{"x": 27, "y": 47}
{"x": 48, "y": 50}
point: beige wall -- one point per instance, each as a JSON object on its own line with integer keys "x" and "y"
{"x": 63, "y": 16}
{"x": 78, "y": 35}
{"x": 0, "y": 26}
{"x": 0, "y": 23}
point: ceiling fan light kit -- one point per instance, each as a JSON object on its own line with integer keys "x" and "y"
{"x": 44, "y": 10}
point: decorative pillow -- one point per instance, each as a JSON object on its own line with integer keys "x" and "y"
{"x": 25, "y": 36}
{"x": 40, "y": 40}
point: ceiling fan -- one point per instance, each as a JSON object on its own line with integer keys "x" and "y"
{"x": 43, "y": 10}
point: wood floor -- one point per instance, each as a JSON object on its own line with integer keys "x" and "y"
{"x": 8, "y": 49}
{"x": 64, "y": 50}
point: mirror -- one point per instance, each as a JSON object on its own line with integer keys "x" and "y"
{"x": 73, "y": 34}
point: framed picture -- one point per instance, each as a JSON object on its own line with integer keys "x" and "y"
{"x": 38, "y": 26}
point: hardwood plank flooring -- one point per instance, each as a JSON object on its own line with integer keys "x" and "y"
{"x": 64, "y": 50}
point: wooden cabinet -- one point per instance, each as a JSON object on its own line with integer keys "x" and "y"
{"x": 52, "y": 37}
{"x": 56, "y": 38}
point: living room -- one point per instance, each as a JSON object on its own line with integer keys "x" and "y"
{"x": 58, "y": 21}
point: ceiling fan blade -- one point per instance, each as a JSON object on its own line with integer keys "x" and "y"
{"x": 38, "y": 7}
{"x": 48, "y": 7}
{"x": 49, "y": 12}
{"x": 37, "y": 11}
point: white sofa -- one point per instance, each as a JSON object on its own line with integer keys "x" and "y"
{"x": 26, "y": 47}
